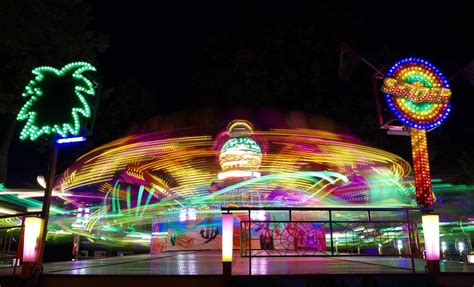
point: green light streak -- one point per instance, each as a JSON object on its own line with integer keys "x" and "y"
{"x": 117, "y": 199}
{"x": 139, "y": 200}
{"x": 150, "y": 195}
{"x": 308, "y": 175}
{"x": 128, "y": 198}
{"x": 113, "y": 196}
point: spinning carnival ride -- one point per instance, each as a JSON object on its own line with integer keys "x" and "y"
{"x": 125, "y": 191}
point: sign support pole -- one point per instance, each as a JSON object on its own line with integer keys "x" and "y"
{"x": 421, "y": 167}
{"x": 53, "y": 159}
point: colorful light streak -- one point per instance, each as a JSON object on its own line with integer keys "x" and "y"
{"x": 129, "y": 181}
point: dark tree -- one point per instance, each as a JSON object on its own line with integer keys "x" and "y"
{"x": 34, "y": 33}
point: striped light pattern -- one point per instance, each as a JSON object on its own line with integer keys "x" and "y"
{"x": 128, "y": 181}
{"x": 186, "y": 166}
{"x": 418, "y": 114}
{"x": 421, "y": 167}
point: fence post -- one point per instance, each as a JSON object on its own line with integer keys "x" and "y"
{"x": 19, "y": 250}
{"x": 330, "y": 230}
{"x": 410, "y": 241}
{"x": 250, "y": 243}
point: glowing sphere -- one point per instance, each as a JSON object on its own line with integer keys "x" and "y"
{"x": 240, "y": 154}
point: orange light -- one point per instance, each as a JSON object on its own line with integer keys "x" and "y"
{"x": 421, "y": 167}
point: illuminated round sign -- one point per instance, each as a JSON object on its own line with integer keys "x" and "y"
{"x": 417, "y": 93}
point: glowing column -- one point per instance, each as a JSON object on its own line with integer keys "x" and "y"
{"x": 431, "y": 236}
{"x": 421, "y": 166}
{"x": 227, "y": 242}
{"x": 32, "y": 236}
{"x": 418, "y": 95}
{"x": 227, "y": 236}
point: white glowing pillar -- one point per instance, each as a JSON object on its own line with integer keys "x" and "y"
{"x": 32, "y": 237}
{"x": 227, "y": 236}
{"x": 431, "y": 235}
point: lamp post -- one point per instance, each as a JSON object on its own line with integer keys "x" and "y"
{"x": 461, "y": 247}
{"x": 227, "y": 243}
{"x": 53, "y": 159}
{"x": 42, "y": 120}
{"x": 399, "y": 246}
{"x": 33, "y": 227}
{"x": 444, "y": 247}
{"x": 431, "y": 236}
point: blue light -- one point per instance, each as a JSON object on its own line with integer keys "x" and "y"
{"x": 71, "y": 140}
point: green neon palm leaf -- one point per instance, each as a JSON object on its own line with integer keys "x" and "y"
{"x": 57, "y": 98}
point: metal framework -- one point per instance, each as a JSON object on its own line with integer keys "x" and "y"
{"x": 328, "y": 235}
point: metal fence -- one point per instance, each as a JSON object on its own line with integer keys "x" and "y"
{"x": 328, "y": 232}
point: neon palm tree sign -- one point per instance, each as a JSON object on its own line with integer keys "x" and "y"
{"x": 56, "y": 101}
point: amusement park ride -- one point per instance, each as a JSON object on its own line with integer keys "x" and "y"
{"x": 165, "y": 190}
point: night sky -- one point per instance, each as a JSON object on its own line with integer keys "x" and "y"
{"x": 165, "y": 47}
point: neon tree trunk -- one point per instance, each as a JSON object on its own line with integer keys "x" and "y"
{"x": 421, "y": 165}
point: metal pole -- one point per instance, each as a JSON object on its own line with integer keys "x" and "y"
{"x": 330, "y": 230}
{"x": 372, "y": 66}
{"x": 410, "y": 241}
{"x": 19, "y": 251}
{"x": 53, "y": 158}
{"x": 368, "y": 215}
{"x": 377, "y": 100}
{"x": 250, "y": 244}
{"x": 289, "y": 214}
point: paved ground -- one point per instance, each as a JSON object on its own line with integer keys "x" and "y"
{"x": 209, "y": 263}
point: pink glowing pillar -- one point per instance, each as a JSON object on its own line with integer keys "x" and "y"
{"x": 431, "y": 236}
{"x": 32, "y": 237}
{"x": 227, "y": 236}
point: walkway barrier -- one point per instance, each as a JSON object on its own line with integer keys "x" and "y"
{"x": 318, "y": 232}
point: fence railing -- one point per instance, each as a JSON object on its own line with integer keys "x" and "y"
{"x": 319, "y": 232}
